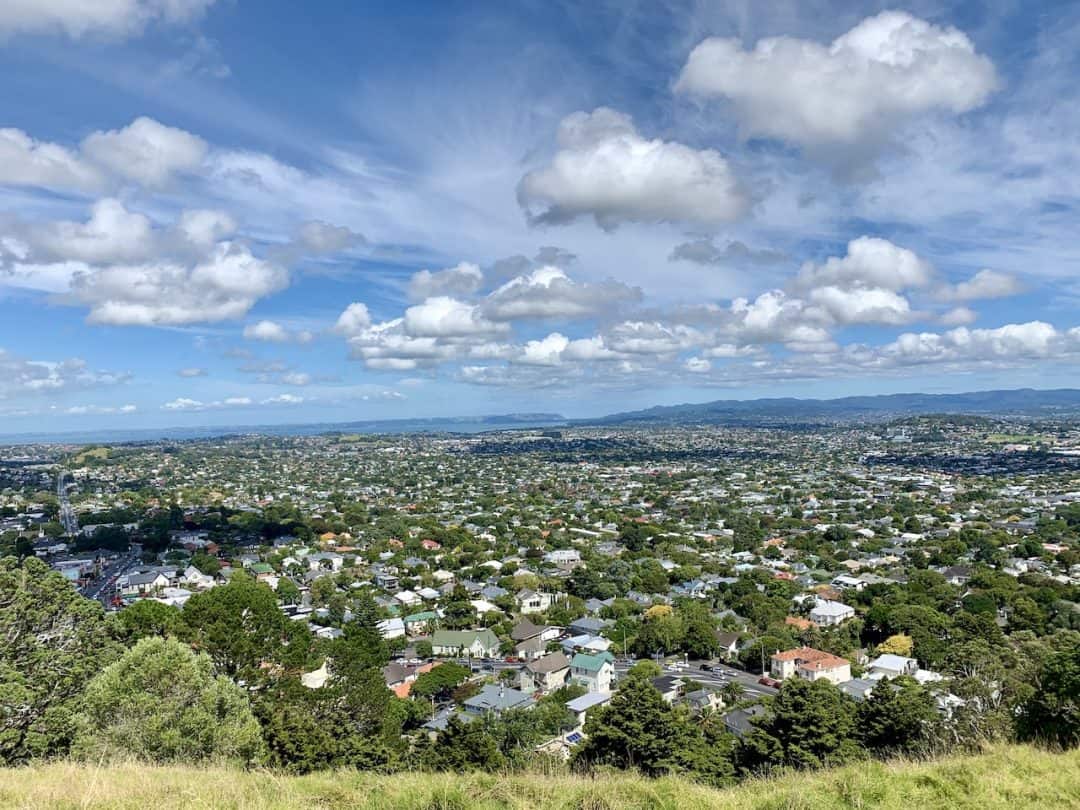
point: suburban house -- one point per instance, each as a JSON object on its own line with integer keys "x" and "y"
{"x": 811, "y": 664}
{"x": 581, "y": 706}
{"x": 142, "y": 582}
{"x": 530, "y": 640}
{"x": 472, "y": 643}
{"x": 418, "y": 623}
{"x": 530, "y": 601}
{"x": 668, "y": 686}
{"x": 892, "y": 666}
{"x": 594, "y": 672}
{"x": 195, "y": 578}
{"x": 497, "y": 699}
{"x": 545, "y": 674}
{"x": 391, "y": 628}
{"x": 727, "y": 645}
{"x": 827, "y": 613}
{"x": 738, "y": 721}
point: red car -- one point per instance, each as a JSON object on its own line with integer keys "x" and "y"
{"x": 765, "y": 680}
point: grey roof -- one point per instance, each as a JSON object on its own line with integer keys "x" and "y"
{"x": 588, "y": 701}
{"x": 738, "y": 722}
{"x": 549, "y": 663}
{"x": 498, "y": 698}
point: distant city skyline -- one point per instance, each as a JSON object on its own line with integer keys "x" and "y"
{"x": 235, "y": 213}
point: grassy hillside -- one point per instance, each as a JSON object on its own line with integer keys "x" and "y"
{"x": 1006, "y": 777}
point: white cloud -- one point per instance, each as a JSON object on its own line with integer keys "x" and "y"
{"x": 871, "y": 262}
{"x": 192, "y": 371}
{"x": 223, "y": 286}
{"x": 20, "y": 377}
{"x": 549, "y": 293}
{"x": 862, "y": 305}
{"x": 112, "y": 234}
{"x": 651, "y": 338}
{"x": 354, "y": 320}
{"x": 203, "y": 228}
{"x": 447, "y": 317}
{"x": 959, "y": 316}
{"x": 85, "y": 410}
{"x": 78, "y": 18}
{"x": 545, "y": 352}
{"x": 697, "y": 365}
{"x": 706, "y": 251}
{"x": 1014, "y": 341}
{"x": 268, "y": 331}
{"x": 274, "y": 332}
{"x": 464, "y": 279}
{"x": 773, "y": 317}
{"x": 606, "y": 170}
{"x": 146, "y": 152}
{"x": 27, "y": 162}
{"x": 318, "y": 237}
{"x": 984, "y": 285}
{"x": 847, "y": 99}
{"x": 283, "y": 399}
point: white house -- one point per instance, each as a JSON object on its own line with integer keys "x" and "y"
{"x": 195, "y": 578}
{"x": 530, "y": 601}
{"x": 828, "y": 613}
{"x": 594, "y": 672}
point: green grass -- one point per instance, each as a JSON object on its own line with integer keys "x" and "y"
{"x": 99, "y": 453}
{"x": 1013, "y": 777}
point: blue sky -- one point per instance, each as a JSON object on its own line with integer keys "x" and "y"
{"x": 238, "y": 213}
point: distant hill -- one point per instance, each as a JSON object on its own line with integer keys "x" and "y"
{"x": 1003, "y": 778}
{"x": 1014, "y": 402}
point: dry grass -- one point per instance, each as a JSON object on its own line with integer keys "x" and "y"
{"x": 1012, "y": 777}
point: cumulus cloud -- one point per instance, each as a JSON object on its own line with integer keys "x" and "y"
{"x": 130, "y": 273}
{"x": 983, "y": 285}
{"x": 774, "y": 317}
{"x": 862, "y": 305}
{"x": 321, "y": 237}
{"x": 188, "y": 404}
{"x": 447, "y": 317}
{"x": 870, "y": 262}
{"x": 549, "y": 293}
{"x": 462, "y": 280}
{"x": 112, "y": 234}
{"x": 605, "y": 169}
{"x": 112, "y": 18}
{"x": 848, "y": 99}
{"x": 706, "y": 251}
{"x": 269, "y": 331}
{"x": 274, "y": 332}
{"x": 27, "y": 162}
{"x": 85, "y": 410}
{"x": 146, "y": 152}
{"x": 222, "y": 286}
{"x": 203, "y": 228}
{"x": 23, "y": 377}
{"x": 354, "y": 320}
{"x": 544, "y": 352}
{"x": 1011, "y": 342}
{"x": 959, "y": 316}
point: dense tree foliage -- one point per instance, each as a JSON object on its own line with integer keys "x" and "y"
{"x": 162, "y": 702}
{"x": 52, "y": 642}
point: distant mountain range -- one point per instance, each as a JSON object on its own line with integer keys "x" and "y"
{"x": 1014, "y": 402}
{"x": 786, "y": 411}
